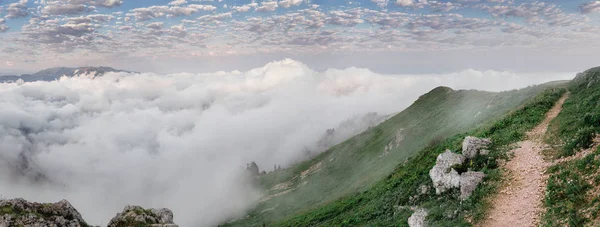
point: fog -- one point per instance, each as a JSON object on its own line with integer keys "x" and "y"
{"x": 182, "y": 140}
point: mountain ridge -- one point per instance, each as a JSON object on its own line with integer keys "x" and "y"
{"x": 55, "y": 73}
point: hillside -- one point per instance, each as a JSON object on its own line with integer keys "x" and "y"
{"x": 573, "y": 190}
{"x": 345, "y": 185}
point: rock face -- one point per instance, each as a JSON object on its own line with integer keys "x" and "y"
{"x": 472, "y": 146}
{"x": 19, "y": 212}
{"x": 417, "y": 219}
{"x": 138, "y": 216}
{"x": 443, "y": 175}
{"x": 469, "y": 182}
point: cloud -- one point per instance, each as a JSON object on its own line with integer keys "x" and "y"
{"x": 182, "y": 140}
{"x": 381, "y": 3}
{"x": 144, "y": 14}
{"x": 590, "y": 7}
{"x": 289, "y": 3}
{"x": 267, "y": 7}
{"x": 244, "y": 8}
{"x": 178, "y": 2}
{"x": 58, "y": 8}
{"x": 214, "y": 17}
{"x": 98, "y": 3}
{"x": 17, "y": 10}
{"x": 3, "y": 27}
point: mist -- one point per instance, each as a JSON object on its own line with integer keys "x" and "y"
{"x": 182, "y": 140}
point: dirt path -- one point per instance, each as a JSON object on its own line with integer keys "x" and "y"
{"x": 520, "y": 202}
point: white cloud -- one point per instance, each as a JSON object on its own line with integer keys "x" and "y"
{"x": 381, "y": 3}
{"x": 178, "y": 2}
{"x": 148, "y": 13}
{"x": 405, "y": 3}
{"x": 181, "y": 141}
{"x": 17, "y": 9}
{"x": 244, "y": 8}
{"x": 590, "y": 7}
{"x": 3, "y": 27}
{"x": 267, "y": 7}
{"x": 289, "y": 3}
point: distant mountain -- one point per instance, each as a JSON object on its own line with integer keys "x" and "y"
{"x": 55, "y": 73}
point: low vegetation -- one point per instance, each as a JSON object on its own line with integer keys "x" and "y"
{"x": 573, "y": 190}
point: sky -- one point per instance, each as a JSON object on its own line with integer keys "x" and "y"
{"x": 387, "y": 36}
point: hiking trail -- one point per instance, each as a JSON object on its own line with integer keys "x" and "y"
{"x": 519, "y": 202}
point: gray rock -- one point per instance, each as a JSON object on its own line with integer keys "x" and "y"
{"x": 19, "y": 212}
{"x": 136, "y": 215}
{"x": 469, "y": 182}
{"x": 423, "y": 189}
{"x": 472, "y": 146}
{"x": 417, "y": 219}
{"x": 442, "y": 175}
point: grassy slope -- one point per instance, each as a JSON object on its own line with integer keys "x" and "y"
{"x": 387, "y": 203}
{"x": 352, "y": 167}
{"x": 573, "y": 191}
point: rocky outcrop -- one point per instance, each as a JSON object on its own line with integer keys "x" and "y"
{"x": 138, "y": 216}
{"x": 469, "y": 182}
{"x": 417, "y": 219}
{"x": 19, "y": 212}
{"x": 472, "y": 146}
{"x": 443, "y": 175}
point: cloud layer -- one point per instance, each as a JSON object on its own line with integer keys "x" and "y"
{"x": 44, "y": 28}
{"x": 182, "y": 140}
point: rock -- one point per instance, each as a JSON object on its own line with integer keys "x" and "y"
{"x": 484, "y": 152}
{"x": 417, "y": 219}
{"x": 472, "y": 146}
{"x": 469, "y": 182}
{"x": 442, "y": 174}
{"x": 423, "y": 189}
{"x": 19, "y": 212}
{"x": 138, "y": 216}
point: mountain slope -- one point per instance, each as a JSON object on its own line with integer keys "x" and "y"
{"x": 356, "y": 164}
{"x": 573, "y": 190}
{"x": 390, "y": 201}
{"x": 55, "y": 73}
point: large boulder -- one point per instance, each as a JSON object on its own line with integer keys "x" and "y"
{"x": 469, "y": 182}
{"x": 472, "y": 146}
{"x": 136, "y": 216}
{"x": 417, "y": 219}
{"x": 19, "y": 212}
{"x": 443, "y": 175}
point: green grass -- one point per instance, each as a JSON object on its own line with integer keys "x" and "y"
{"x": 573, "y": 198}
{"x": 355, "y": 187}
{"x": 573, "y": 190}
{"x": 579, "y": 120}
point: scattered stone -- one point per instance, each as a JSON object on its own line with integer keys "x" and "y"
{"x": 19, "y": 212}
{"x": 138, "y": 216}
{"x": 484, "y": 152}
{"x": 423, "y": 189}
{"x": 472, "y": 146}
{"x": 442, "y": 175}
{"x": 469, "y": 182}
{"x": 417, "y": 219}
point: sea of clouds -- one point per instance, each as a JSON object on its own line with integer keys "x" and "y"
{"x": 182, "y": 141}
